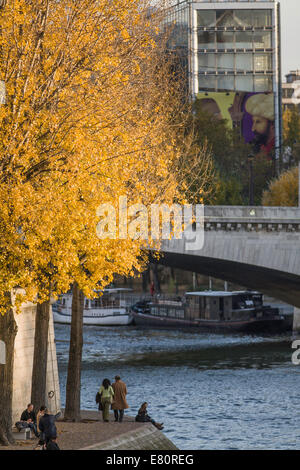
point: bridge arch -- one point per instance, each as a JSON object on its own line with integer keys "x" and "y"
{"x": 256, "y": 247}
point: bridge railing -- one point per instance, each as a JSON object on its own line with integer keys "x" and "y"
{"x": 236, "y": 218}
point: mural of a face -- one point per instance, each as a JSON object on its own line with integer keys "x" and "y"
{"x": 261, "y": 109}
{"x": 253, "y": 114}
{"x": 260, "y": 125}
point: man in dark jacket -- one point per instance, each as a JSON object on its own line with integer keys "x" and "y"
{"x": 28, "y": 416}
{"x": 47, "y": 426}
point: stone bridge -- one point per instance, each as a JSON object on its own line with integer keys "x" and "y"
{"x": 256, "y": 247}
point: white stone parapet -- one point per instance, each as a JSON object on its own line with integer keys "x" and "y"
{"x": 23, "y": 363}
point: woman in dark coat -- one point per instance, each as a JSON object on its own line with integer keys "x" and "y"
{"x": 143, "y": 417}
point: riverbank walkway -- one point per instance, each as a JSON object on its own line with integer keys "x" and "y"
{"x": 93, "y": 434}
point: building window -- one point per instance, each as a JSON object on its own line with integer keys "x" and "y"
{"x": 287, "y": 92}
{"x": 262, "y": 62}
{"x": 244, "y": 62}
{"x": 244, "y": 83}
{"x": 225, "y": 83}
{"x": 235, "y": 18}
{"x": 254, "y": 18}
{"x": 206, "y": 40}
{"x": 207, "y": 82}
{"x": 263, "y": 84}
{"x": 226, "y": 18}
{"x": 225, "y": 40}
{"x": 244, "y": 40}
{"x": 262, "y": 39}
{"x": 206, "y": 18}
{"x": 225, "y": 62}
{"x": 206, "y": 62}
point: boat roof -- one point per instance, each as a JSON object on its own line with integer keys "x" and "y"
{"x": 117, "y": 289}
{"x": 209, "y": 293}
{"x": 246, "y": 292}
{"x": 215, "y": 293}
{"x": 113, "y": 290}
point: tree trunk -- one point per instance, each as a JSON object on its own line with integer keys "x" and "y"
{"x": 156, "y": 279}
{"x": 8, "y": 332}
{"x": 72, "y": 411}
{"x": 40, "y": 355}
{"x": 146, "y": 280}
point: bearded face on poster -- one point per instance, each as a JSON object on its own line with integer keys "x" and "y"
{"x": 252, "y": 113}
{"x": 261, "y": 109}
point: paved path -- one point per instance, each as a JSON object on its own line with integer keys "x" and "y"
{"x": 92, "y": 430}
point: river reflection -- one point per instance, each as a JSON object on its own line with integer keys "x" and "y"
{"x": 211, "y": 391}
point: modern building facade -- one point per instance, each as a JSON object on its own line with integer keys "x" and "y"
{"x": 230, "y": 51}
{"x": 291, "y": 90}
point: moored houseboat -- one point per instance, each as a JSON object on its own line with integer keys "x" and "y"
{"x": 109, "y": 309}
{"x": 238, "y": 311}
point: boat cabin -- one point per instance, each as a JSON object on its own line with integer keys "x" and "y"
{"x": 111, "y": 297}
{"x": 222, "y": 305}
{"x": 115, "y": 297}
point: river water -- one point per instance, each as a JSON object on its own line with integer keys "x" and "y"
{"x": 211, "y": 391}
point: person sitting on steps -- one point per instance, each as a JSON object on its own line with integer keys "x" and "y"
{"x": 143, "y": 417}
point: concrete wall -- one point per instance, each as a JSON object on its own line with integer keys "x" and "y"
{"x": 146, "y": 437}
{"x": 23, "y": 362}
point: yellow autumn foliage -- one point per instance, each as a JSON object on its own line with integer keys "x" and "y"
{"x": 89, "y": 117}
{"x": 283, "y": 191}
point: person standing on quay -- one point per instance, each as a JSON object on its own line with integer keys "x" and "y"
{"x": 107, "y": 394}
{"x": 119, "y": 403}
{"x": 47, "y": 426}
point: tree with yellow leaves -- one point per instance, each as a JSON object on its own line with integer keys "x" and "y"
{"x": 91, "y": 115}
{"x": 283, "y": 191}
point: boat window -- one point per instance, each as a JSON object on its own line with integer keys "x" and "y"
{"x": 221, "y": 306}
{"x": 96, "y": 303}
{"x": 154, "y": 311}
{"x": 257, "y": 299}
{"x": 163, "y": 312}
{"x": 238, "y": 303}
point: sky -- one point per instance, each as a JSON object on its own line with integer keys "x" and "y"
{"x": 290, "y": 35}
